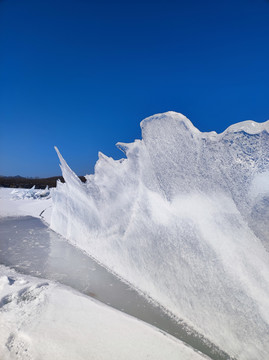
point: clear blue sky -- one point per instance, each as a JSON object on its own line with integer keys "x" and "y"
{"x": 82, "y": 74}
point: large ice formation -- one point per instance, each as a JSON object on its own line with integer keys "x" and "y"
{"x": 184, "y": 218}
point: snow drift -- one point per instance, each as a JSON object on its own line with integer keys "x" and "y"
{"x": 184, "y": 218}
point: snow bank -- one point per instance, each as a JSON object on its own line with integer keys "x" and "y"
{"x": 42, "y": 320}
{"x": 184, "y": 218}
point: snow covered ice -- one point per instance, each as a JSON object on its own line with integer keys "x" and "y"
{"x": 44, "y": 320}
{"x": 184, "y": 218}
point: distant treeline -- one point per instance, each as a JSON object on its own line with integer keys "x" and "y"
{"x": 27, "y": 183}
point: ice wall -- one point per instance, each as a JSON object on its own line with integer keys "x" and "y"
{"x": 184, "y": 217}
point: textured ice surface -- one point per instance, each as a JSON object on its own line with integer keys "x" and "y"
{"x": 185, "y": 219}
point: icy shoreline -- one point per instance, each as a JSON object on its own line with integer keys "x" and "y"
{"x": 30, "y": 248}
{"x": 41, "y": 319}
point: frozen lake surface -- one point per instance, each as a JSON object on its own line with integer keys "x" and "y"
{"x": 30, "y": 247}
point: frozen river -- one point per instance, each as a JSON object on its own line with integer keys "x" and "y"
{"x": 30, "y": 247}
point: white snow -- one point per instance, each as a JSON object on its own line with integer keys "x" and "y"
{"x": 178, "y": 218}
{"x": 43, "y": 320}
{"x": 23, "y": 202}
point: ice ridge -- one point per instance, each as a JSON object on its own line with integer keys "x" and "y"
{"x": 184, "y": 217}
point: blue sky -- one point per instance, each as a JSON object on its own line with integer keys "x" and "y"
{"x": 83, "y": 74}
